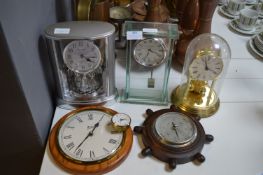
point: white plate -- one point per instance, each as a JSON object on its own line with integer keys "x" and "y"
{"x": 260, "y": 15}
{"x": 251, "y": 2}
{"x": 257, "y": 29}
{"x": 224, "y": 11}
{"x": 253, "y": 48}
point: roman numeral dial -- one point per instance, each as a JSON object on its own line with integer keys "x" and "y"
{"x": 86, "y": 136}
{"x": 206, "y": 68}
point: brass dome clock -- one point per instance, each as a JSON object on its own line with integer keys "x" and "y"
{"x": 207, "y": 59}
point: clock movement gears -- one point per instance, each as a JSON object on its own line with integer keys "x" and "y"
{"x": 90, "y": 84}
{"x": 82, "y": 142}
{"x": 172, "y": 136}
{"x": 149, "y": 52}
{"x": 207, "y": 58}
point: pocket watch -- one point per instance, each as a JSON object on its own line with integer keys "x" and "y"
{"x": 121, "y": 121}
{"x": 84, "y": 141}
{"x": 172, "y": 136}
{"x": 149, "y": 52}
{"x": 207, "y": 59}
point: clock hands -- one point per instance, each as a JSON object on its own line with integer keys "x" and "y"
{"x": 206, "y": 67}
{"x": 90, "y": 133}
{"x": 174, "y": 128}
{"x": 154, "y": 52}
{"x": 87, "y": 58}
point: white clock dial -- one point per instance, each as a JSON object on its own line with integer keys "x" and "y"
{"x": 86, "y": 136}
{"x": 149, "y": 52}
{"x": 175, "y": 129}
{"x": 82, "y": 56}
{"x": 206, "y": 67}
{"x": 121, "y": 119}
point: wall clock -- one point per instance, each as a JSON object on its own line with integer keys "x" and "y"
{"x": 172, "y": 136}
{"x": 207, "y": 60}
{"x": 149, "y": 52}
{"x": 82, "y": 55}
{"x": 84, "y": 141}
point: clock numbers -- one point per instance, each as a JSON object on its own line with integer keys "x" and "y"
{"x": 206, "y": 67}
{"x": 90, "y": 116}
{"x": 79, "y": 152}
{"x": 70, "y": 145}
{"x": 85, "y": 136}
{"x": 149, "y": 52}
{"x": 112, "y": 141}
{"x": 68, "y": 137}
{"x": 106, "y": 150}
{"x": 79, "y": 119}
{"x": 92, "y": 154}
{"x": 71, "y": 127}
{"x": 82, "y": 56}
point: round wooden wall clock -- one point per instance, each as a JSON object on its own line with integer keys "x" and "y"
{"x": 85, "y": 140}
{"x": 172, "y": 136}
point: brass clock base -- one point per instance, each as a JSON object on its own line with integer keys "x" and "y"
{"x": 203, "y": 105}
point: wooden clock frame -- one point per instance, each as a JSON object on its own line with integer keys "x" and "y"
{"x": 94, "y": 168}
{"x": 168, "y": 154}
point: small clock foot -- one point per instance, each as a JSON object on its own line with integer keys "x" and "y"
{"x": 173, "y": 107}
{"x": 149, "y": 112}
{"x": 146, "y": 152}
{"x": 138, "y": 129}
{"x": 172, "y": 163}
{"x": 199, "y": 157}
{"x": 209, "y": 138}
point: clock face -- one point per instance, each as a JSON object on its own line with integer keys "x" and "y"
{"x": 121, "y": 119}
{"x": 175, "y": 129}
{"x": 82, "y": 56}
{"x": 86, "y": 136}
{"x": 206, "y": 67}
{"x": 149, "y": 52}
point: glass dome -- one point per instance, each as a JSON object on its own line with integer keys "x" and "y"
{"x": 206, "y": 61}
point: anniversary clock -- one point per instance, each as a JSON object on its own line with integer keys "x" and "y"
{"x": 82, "y": 53}
{"x": 85, "y": 140}
{"x": 173, "y": 136}
{"x": 148, "y": 61}
{"x": 207, "y": 59}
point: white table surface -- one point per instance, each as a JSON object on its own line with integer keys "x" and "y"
{"x": 237, "y": 127}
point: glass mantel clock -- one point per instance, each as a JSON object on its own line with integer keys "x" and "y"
{"x": 148, "y": 61}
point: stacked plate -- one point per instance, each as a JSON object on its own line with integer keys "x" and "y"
{"x": 256, "y": 44}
